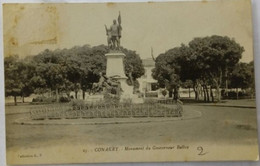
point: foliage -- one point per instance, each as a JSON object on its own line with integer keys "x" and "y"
{"x": 237, "y": 94}
{"x": 242, "y": 76}
{"x": 150, "y": 101}
{"x": 205, "y": 61}
{"x": 17, "y": 74}
{"x": 63, "y": 70}
{"x": 164, "y": 92}
{"x": 111, "y": 99}
{"x": 215, "y": 56}
{"x": 127, "y": 102}
{"x": 64, "y": 99}
{"x": 151, "y": 94}
{"x": 77, "y": 104}
{"x": 107, "y": 111}
{"x": 168, "y": 70}
{"x": 133, "y": 64}
{"x": 43, "y": 99}
{"x": 187, "y": 84}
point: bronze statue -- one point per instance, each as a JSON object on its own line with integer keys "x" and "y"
{"x": 114, "y": 34}
{"x": 106, "y": 84}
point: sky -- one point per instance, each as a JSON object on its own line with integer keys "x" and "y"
{"x": 32, "y": 28}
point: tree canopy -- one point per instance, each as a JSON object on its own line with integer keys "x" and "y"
{"x": 206, "y": 61}
{"x": 63, "y": 70}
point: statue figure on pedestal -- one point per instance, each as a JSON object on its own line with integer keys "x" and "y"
{"x": 114, "y": 34}
{"x": 110, "y": 85}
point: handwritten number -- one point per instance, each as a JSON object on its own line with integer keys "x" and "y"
{"x": 200, "y": 149}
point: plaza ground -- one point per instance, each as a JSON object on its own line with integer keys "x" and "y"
{"x": 217, "y": 125}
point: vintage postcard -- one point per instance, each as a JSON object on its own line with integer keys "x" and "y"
{"x": 129, "y": 82}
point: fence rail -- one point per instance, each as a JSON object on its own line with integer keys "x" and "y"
{"x": 108, "y": 111}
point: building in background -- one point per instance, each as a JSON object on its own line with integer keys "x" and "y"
{"x": 148, "y": 85}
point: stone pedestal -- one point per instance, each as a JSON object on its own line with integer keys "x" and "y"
{"x": 115, "y": 64}
{"x": 115, "y": 69}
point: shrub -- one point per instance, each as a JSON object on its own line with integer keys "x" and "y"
{"x": 150, "y": 101}
{"x": 111, "y": 99}
{"x": 38, "y": 99}
{"x": 43, "y": 99}
{"x": 113, "y": 90}
{"x": 151, "y": 94}
{"x": 77, "y": 104}
{"x": 64, "y": 99}
{"x": 49, "y": 100}
{"x": 234, "y": 95}
{"x": 127, "y": 102}
{"x": 140, "y": 95}
{"x": 164, "y": 92}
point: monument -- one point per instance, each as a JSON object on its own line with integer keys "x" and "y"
{"x": 114, "y": 34}
{"x": 115, "y": 59}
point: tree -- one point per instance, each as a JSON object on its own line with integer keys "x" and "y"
{"x": 78, "y": 68}
{"x": 12, "y": 84}
{"x": 17, "y": 76}
{"x": 189, "y": 69}
{"x": 93, "y": 62}
{"x": 75, "y": 72}
{"x": 188, "y": 84}
{"x": 205, "y": 61}
{"x": 133, "y": 67}
{"x": 216, "y": 56}
{"x": 26, "y": 75}
{"x": 242, "y": 77}
{"x": 167, "y": 71}
{"x": 51, "y": 69}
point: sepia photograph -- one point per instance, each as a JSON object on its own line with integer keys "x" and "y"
{"x": 129, "y": 82}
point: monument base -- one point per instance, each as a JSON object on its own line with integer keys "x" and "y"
{"x": 115, "y": 64}
{"x": 115, "y": 69}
